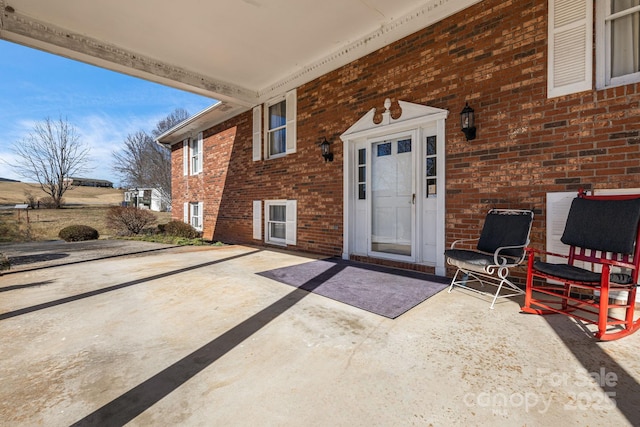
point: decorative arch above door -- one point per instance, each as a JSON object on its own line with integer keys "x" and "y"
{"x": 394, "y": 186}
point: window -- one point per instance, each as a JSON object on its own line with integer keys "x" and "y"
{"x": 280, "y": 221}
{"x": 362, "y": 174}
{"x": 431, "y": 171}
{"x": 277, "y": 223}
{"x": 193, "y": 214}
{"x": 618, "y": 42}
{"x": 279, "y": 127}
{"x": 195, "y": 151}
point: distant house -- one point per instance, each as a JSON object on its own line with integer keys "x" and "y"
{"x": 145, "y": 198}
{"x": 90, "y": 182}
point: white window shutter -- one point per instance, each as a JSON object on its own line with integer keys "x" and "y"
{"x": 257, "y": 219}
{"x": 291, "y": 226}
{"x": 185, "y": 157}
{"x": 257, "y": 133}
{"x": 291, "y": 100}
{"x": 185, "y": 212}
{"x": 570, "y": 47}
{"x": 200, "y": 155}
{"x": 201, "y": 215}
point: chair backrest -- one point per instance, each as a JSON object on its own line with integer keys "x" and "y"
{"x": 506, "y": 227}
{"x": 603, "y": 223}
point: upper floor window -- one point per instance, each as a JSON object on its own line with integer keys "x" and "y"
{"x": 192, "y": 155}
{"x": 195, "y": 150}
{"x": 277, "y": 129}
{"x": 279, "y": 134}
{"x": 618, "y": 42}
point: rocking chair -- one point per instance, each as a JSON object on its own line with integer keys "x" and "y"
{"x": 499, "y": 248}
{"x": 603, "y": 233}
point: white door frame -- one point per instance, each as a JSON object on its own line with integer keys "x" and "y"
{"x": 413, "y": 118}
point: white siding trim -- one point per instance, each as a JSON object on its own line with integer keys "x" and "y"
{"x": 292, "y": 220}
{"x": 185, "y": 157}
{"x": 200, "y": 216}
{"x": 257, "y": 133}
{"x": 570, "y": 35}
{"x": 200, "y": 153}
{"x": 257, "y": 219}
{"x": 291, "y": 101}
{"x": 185, "y": 213}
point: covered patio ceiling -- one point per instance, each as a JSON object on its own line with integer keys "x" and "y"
{"x": 241, "y": 52}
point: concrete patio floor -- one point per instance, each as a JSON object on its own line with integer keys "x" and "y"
{"x": 192, "y": 336}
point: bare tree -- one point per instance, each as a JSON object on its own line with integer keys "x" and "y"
{"x": 143, "y": 163}
{"x": 51, "y": 154}
{"x": 178, "y": 115}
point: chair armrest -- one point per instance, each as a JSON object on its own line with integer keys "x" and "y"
{"x": 614, "y": 263}
{"x": 532, "y": 251}
{"x": 496, "y": 254}
{"x": 453, "y": 245}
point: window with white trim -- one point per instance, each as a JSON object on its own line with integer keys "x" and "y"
{"x": 195, "y": 154}
{"x": 193, "y": 214}
{"x": 280, "y": 221}
{"x": 276, "y": 120}
{"x": 617, "y": 42}
{"x": 279, "y": 127}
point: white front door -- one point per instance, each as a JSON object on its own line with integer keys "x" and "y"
{"x": 392, "y": 210}
{"x": 394, "y": 185}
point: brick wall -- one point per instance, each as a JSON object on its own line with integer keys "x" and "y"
{"x": 492, "y": 55}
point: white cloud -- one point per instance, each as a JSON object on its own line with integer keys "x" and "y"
{"x": 6, "y": 171}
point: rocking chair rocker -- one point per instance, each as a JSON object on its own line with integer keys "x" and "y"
{"x": 603, "y": 233}
{"x": 500, "y": 247}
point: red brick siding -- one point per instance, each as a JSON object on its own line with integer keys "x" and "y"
{"x": 492, "y": 55}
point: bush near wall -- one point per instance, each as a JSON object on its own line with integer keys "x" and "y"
{"x": 129, "y": 221}
{"x": 178, "y": 229}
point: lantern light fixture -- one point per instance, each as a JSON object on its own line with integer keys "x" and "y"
{"x": 467, "y": 122}
{"x": 325, "y": 150}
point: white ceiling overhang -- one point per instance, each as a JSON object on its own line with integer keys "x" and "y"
{"x": 241, "y": 52}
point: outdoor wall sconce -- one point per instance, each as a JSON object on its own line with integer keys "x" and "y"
{"x": 324, "y": 148}
{"x": 467, "y": 122}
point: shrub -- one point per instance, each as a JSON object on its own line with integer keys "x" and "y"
{"x": 178, "y": 229}
{"x": 48, "y": 202}
{"x": 126, "y": 220}
{"x": 9, "y": 230}
{"x": 78, "y": 233}
{"x": 5, "y": 263}
{"x": 31, "y": 199}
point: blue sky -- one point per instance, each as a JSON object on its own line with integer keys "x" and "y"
{"x": 102, "y": 105}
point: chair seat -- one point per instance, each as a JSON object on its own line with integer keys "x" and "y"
{"x": 473, "y": 257}
{"x": 577, "y": 274}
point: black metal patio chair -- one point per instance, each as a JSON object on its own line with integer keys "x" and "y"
{"x": 500, "y": 247}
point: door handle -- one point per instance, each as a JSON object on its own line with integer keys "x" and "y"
{"x": 413, "y": 199}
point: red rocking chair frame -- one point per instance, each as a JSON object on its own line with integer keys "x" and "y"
{"x": 602, "y": 231}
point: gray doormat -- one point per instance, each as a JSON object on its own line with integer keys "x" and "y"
{"x": 384, "y": 291}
